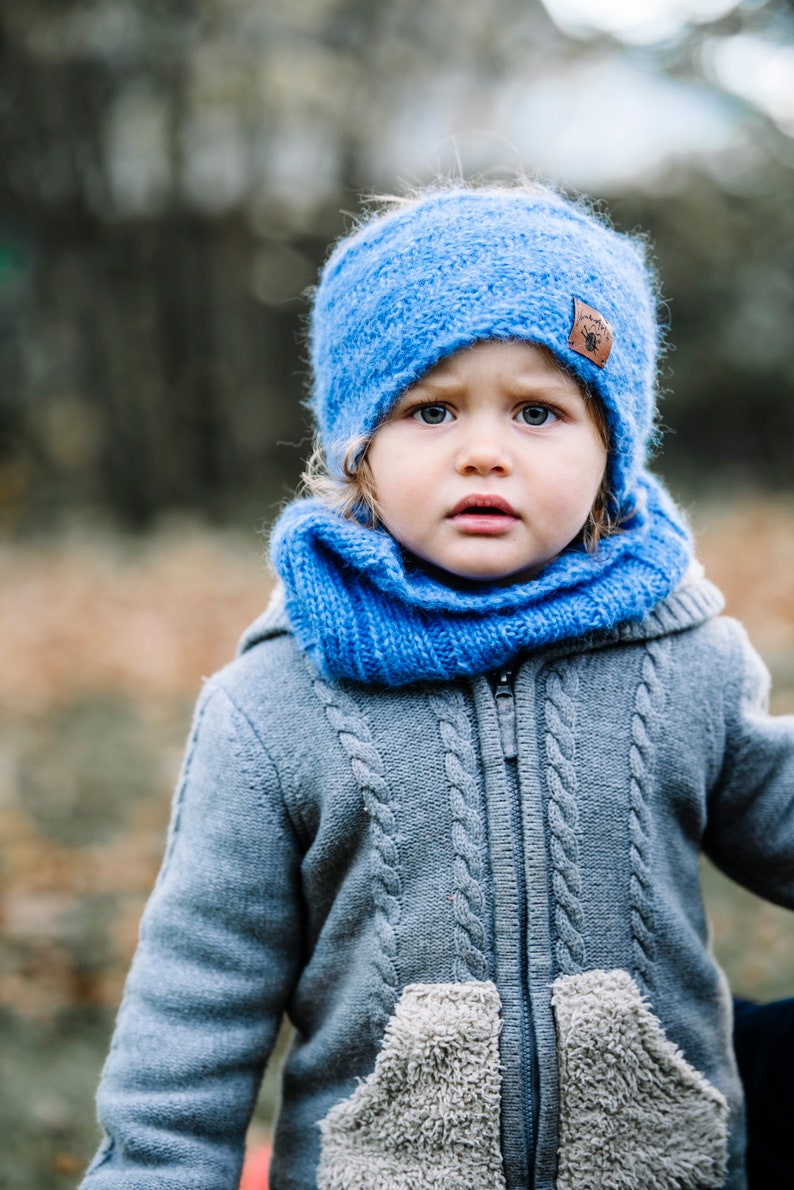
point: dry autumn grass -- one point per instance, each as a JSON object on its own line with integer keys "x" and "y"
{"x": 104, "y": 645}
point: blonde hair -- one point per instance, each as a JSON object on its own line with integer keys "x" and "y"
{"x": 351, "y": 494}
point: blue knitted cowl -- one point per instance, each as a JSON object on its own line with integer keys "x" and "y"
{"x": 361, "y": 609}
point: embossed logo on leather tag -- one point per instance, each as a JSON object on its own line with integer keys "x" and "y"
{"x": 591, "y": 334}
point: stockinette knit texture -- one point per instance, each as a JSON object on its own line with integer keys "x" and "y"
{"x": 361, "y": 610}
{"x": 414, "y": 285}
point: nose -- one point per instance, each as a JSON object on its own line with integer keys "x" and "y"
{"x": 483, "y": 451}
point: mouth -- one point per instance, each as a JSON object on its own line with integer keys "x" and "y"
{"x": 486, "y": 505}
{"x": 483, "y": 514}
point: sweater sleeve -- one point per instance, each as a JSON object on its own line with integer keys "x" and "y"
{"x": 750, "y": 830}
{"x": 219, "y": 952}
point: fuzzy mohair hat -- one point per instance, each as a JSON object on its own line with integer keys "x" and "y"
{"x": 460, "y": 265}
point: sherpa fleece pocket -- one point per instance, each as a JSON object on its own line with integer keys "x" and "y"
{"x": 428, "y": 1115}
{"x": 634, "y": 1115}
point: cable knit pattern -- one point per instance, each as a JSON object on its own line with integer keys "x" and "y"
{"x": 648, "y": 706}
{"x": 366, "y": 762}
{"x": 467, "y": 834}
{"x": 359, "y": 609}
{"x": 562, "y": 687}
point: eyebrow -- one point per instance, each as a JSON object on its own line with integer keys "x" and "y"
{"x": 532, "y": 390}
{"x": 521, "y": 388}
{"x": 439, "y": 384}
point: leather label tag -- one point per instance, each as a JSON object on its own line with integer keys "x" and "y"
{"x": 591, "y": 334}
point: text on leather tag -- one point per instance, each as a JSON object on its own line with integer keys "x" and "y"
{"x": 591, "y": 334}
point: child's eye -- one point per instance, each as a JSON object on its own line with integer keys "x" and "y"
{"x": 431, "y": 415}
{"x": 537, "y": 415}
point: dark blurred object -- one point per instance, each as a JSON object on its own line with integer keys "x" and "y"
{"x": 764, "y": 1043}
{"x": 171, "y": 175}
{"x": 726, "y": 262}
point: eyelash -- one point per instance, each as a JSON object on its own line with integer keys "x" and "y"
{"x": 539, "y": 405}
{"x": 422, "y": 407}
{"x": 414, "y": 410}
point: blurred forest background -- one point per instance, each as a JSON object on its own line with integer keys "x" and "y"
{"x": 170, "y": 177}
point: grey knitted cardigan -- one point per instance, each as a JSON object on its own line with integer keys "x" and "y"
{"x": 480, "y": 906}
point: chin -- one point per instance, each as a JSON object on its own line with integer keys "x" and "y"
{"x": 460, "y": 574}
{"x": 501, "y": 576}
{"x": 485, "y": 577}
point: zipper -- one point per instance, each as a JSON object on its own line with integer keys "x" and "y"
{"x": 506, "y": 713}
{"x": 504, "y": 699}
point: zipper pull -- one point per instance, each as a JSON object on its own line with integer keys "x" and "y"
{"x": 506, "y": 713}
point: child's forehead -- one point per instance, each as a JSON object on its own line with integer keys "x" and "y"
{"x": 516, "y": 358}
{"x": 493, "y": 368}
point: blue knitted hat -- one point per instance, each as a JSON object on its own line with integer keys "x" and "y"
{"x": 460, "y": 265}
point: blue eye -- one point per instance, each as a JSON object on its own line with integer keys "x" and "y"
{"x": 431, "y": 415}
{"x": 537, "y": 415}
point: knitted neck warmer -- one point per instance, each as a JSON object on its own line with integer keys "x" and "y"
{"x": 361, "y": 611}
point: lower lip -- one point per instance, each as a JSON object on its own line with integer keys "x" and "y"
{"x": 490, "y": 524}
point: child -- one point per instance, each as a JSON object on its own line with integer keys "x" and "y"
{"x": 447, "y": 806}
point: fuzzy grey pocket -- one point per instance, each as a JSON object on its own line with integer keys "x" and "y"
{"x": 428, "y": 1115}
{"x": 634, "y": 1115}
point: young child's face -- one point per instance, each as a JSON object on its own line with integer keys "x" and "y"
{"x": 488, "y": 466}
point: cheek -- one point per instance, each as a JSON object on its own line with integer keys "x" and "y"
{"x": 396, "y": 479}
{"x": 598, "y": 476}
{"x": 577, "y": 473}
{"x": 593, "y": 465}
{"x": 399, "y": 460}
{"x": 579, "y": 482}
{"x": 379, "y": 466}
